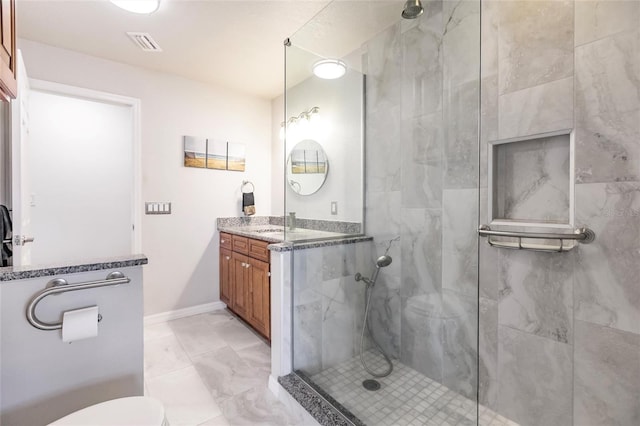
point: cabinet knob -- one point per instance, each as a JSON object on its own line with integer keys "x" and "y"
{"x": 227, "y": 257}
{"x": 247, "y": 266}
{"x": 244, "y": 265}
{"x": 222, "y": 241}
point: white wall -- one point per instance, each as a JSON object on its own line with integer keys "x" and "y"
{"x": 182, "y": 247}
{"x": 74, "y": 218}
{"x": 341, "y": 110}
{"x": 277, "y": 157}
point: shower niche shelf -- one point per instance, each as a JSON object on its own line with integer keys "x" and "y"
{"x": 531, "y": 193}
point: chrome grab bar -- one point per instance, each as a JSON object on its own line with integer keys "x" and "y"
{"x": 59, "y": 285}
{"x": 582, "y": 235}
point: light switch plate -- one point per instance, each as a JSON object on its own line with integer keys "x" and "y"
{"x": 334, "y": 207}
{"x": 157, "y": 207}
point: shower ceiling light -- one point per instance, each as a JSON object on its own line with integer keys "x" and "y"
{"x": 329, "y": 69}
{"x": 138, "y": 6}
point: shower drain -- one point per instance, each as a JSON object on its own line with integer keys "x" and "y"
{"x": 370, "y": 384}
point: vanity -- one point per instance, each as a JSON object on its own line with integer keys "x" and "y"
{"x": 245, "y": 280}
{"x": 247, "y": 247}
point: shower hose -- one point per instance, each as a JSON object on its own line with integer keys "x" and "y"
{"x": 368, "y": 293}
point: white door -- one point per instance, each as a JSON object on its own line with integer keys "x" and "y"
{"x": 20, "y": 183}
{"x": 81, "y": 176}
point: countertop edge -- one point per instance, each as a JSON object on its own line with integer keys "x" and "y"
{"x": 10, "y": 274}
{"x": 283, "y": 246}
{"x": 237, "y": 231}
{"x": 290, "y": 246}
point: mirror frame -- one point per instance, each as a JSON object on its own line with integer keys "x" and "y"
{"x": 294, "y": 185}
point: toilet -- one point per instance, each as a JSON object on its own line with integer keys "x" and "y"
{"x": 130, "y": 411}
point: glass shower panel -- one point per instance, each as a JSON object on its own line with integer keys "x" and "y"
{"x": 323, "y": 135}
{"x": 559, "y": 336}
{"x": 420, "y": 270}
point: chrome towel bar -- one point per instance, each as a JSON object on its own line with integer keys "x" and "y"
{"x": 580, "y": 235}
{"x": 59, "y": 285}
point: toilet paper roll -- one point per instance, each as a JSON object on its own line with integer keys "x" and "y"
{"x": 80, "y": 324}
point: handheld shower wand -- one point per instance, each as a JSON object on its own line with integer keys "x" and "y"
{"x": 384, "y": 260}
{"x": 381, "y": 262}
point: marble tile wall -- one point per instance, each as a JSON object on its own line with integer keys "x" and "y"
{"x": 328, "y": 304}
{"x": 559, "y": 333}
{"x": 421, "y": 209}
{"x": 533, "y": 179}
{"x": 422, "y": 108}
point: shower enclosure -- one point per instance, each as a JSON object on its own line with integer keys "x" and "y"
{"x": 410, "y": 103}
{"x": 421, "y": 143}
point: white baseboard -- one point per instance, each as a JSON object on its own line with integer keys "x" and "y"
{"x": 185, "y": 312}
{"x": 274, "y": 386}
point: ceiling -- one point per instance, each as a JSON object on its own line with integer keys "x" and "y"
{"x": 237, "y": 44}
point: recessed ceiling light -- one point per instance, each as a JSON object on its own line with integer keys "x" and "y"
{"x": 329, "y": 69}
{"x": 138, "y": 6}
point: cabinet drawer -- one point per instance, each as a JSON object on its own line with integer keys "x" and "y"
{"x": 225, "y": 241}
{"x": 258, "y": 250}
{"x": 240, "y": 244}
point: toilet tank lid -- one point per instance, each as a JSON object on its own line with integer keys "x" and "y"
{"x": 135, "y": 410}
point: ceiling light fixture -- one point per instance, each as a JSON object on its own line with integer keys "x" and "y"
{"x": 329, "y": 69}
{"x": 138, "y": 6}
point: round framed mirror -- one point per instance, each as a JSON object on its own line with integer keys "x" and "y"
{"x": 307, "y": 167}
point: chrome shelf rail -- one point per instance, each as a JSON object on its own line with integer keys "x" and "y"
{"x": 59, "y": 285}
{"x": 581, "y": 235}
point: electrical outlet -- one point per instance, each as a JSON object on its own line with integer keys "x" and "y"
{"x": 334, "y": 207}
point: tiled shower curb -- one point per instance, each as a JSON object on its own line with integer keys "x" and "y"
{"x": 326, "y": 410}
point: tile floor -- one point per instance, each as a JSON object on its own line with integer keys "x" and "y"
{"x": 406, "y": 397}
{"x": 210, "y": 369}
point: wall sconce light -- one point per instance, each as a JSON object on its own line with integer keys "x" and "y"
{"x": 302, "y": 125}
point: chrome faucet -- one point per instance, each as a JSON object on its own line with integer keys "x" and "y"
{"x": 292, "y": 221}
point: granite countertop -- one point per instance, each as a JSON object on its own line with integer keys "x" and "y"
{"x": 11, "y": 273}
{"x": 298, "y": 238}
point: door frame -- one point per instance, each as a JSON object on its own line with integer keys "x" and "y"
{"x": 111, "y": 98}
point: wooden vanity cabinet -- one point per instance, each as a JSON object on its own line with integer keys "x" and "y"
{"x": 245, "y": 280}
{"x": 8, "y": 58}
{"x": 259, "y": 296}
{"x": 225, "y": 275}
{"x": 240, "y": 284}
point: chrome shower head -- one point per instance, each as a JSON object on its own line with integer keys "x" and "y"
{"x": 383, "y": 261}
{"x": 412, "y": 9}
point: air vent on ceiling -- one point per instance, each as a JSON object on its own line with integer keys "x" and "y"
{"x": 145, "y": 42}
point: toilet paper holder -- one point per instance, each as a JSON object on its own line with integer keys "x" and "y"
{"x": 60, "y": 285}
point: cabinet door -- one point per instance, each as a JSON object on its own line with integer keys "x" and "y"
{"x": 8, "y": 85}
{"x": 226, "y": 277}
{"x": 240, "y": 286}
{"x": 260, "y": 296}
